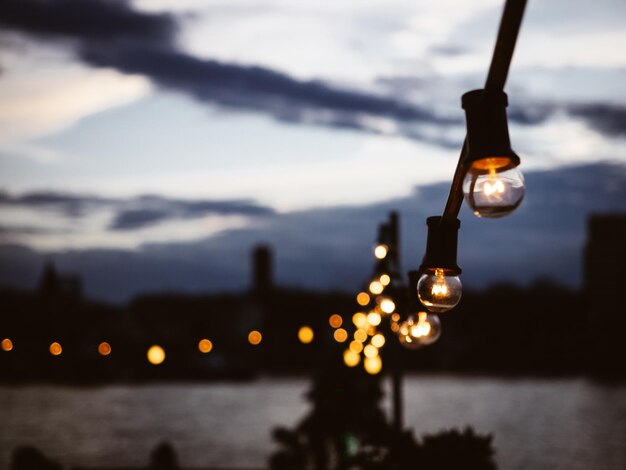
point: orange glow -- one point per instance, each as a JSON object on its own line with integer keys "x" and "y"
{"x": 363, "y": 298}
{"x": 104, "y": 348}
{"x": 56, "y": 349}
{"x": 385, "y": 279}
{"x": 205, "y": 346}
{"x": 305, "y": 334}
{"x": 395, "y": 317}
{"x": 370, "y": 351}
{"x": 340, "y": 335}
{"x": 7, "y": 344}
{"x": 255, "y": 337}
{"x": 376, "y": 287}
{"x": 350, "y": 358}
{"x": 360, "y": 336}
{"x": 359, "y": 319}
{"x": 156, "y": 355}
{"x": 378, "y": 340}
{"x": 373, "y": 365}
{"x": 335, "y": 321}
{"x": 356, "y": 346}
{"x": 374, "y": 318}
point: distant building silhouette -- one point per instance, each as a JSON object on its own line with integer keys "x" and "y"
{"x": 604, "y": 282}
{"x": 53, "y": 285}
{"x": 262, "y": 269}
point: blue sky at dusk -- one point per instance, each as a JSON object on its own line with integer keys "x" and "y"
{"x": 149, "y": 144}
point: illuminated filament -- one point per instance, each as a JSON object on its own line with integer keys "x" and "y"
{"x": 495, "y": 186}
{"x": 423, "y": 326}
{"x": 440, "y": 288}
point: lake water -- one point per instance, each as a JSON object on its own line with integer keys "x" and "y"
{"x": 570, "y": 424}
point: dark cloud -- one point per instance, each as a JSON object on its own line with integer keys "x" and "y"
{"x": 133, "y": 213}
{"x": 110, "y": 34}
{"x": 605, "y": 118}
{"x": 330, "y": 248}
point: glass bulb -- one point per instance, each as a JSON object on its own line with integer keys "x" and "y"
{"x": 491, "y": 190}
{"x": 405, "y": 337}
{"x": 427, "y": 329}
{"x": 438, "y": 292}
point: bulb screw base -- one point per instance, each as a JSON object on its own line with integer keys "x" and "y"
{"x": 487, "y": 131}
{"x": 441, "y": 246}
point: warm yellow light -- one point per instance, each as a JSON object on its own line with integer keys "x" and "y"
{"x": 378, "y": 340}
{"x": 376, "y": 287}
{"x": 7, "y": 344}
{"x": 356, "y": 346}
{"x": 387, "y": 306}
{"x": 55, "y": 349}
{"x": 350, "y": 358}
{"x": 395, "y": 317}
{"x": 370, "y": 351}
{"x": 373, "y": 365}
{"x": 156, "y": 354}
{"x": 335, "y": 321}
{"x": 104, "y": 348}
{"x": 363, "y": 298}
{"x": 385, "y": 279}
{"x": 380, "y": 251}
{"x": 394, "y": 327}
{"x": 305, "y": 334}
{"x": 255, "y": 337}
{"x": 359, "y": 319}
{"x": 360, "y": 335}
{"x": 205, "y": 346}
{"x": 340, "y": 335}
{"x": 374, "y": 318}
{"x": 440, "y": 288}
{"x": 371, "y": 330}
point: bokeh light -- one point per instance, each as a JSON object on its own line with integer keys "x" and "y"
{"x": 205, "y": 346}
{"x": 360, "y": 335}
{"x": 387, "y": 306}
{"x": 335, "y": 321}
{"x": 376, "y": 287}
{"x": 350, "y": 358}
{"x": 356, "y": 346}
{"x": 378, "y": 340}
{"x": 156, "y": 354}
{"x": 7, "y": 344}
{"x": 104, "y": 348}
{"x": 305, "y": 334}
{"x": 370, "y": 351}
{"x": 373, "y": 365}
{"x": 385, "y": 279}
{"x": 380, "y": 251}
{"x": 359, "y": 319}
{"x": 340, "y": 335}
{"x": 255, "y": 337}
{"x": 374, "y": 318}
{"x": 56, "y": 349}
{"x": 363, "y": 298}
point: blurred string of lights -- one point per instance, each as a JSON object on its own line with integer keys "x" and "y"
{"x": 486, "y": 176}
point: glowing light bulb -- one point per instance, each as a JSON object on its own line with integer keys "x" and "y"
{"x": 385, "y": 279}
{"x": 374, "y": 318}
{"x": 350, "y": 358}
{"x": 493, "y": 189}
{"x": 427, "y": 330}
{"x": 438, "y": 292}
{"x": 380, "y": 251}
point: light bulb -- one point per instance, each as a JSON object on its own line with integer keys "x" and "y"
{"x": 427, "y": 329}
{"x": 491, "y": 190}
{"x": 438, "y": 292}
{"x": 405, "y": 337}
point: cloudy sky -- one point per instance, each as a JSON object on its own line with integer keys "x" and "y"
{"x": 149, "y": 144}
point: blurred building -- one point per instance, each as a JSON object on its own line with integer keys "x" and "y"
{"x": 604, "y": 284}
